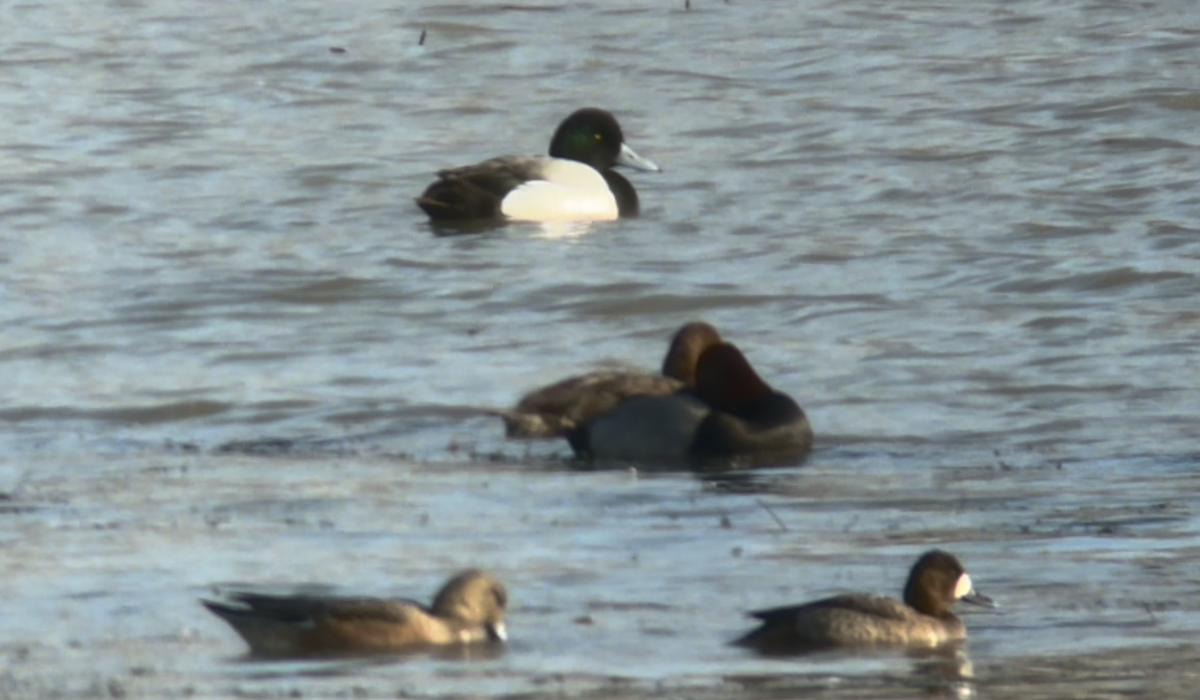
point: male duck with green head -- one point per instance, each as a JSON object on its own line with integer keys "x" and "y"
{"x": 575, "y": 182}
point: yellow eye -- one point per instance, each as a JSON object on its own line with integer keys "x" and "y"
{"x": 598, "y": 137}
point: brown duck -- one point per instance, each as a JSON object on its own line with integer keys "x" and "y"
{"x": 468, "y": 609}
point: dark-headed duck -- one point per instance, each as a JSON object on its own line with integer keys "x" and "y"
{"x": 922, "y": 619}
{"x": 575, "y": 182}
{"x": 729, "y": 413}
{"x": 468, "y": 609}
{"x": 560, "y": 407}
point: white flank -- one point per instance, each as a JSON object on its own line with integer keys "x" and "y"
{"x": 569, "y": 191}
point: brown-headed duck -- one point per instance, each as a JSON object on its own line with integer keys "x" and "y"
{"x": 468, "y": 609}
{"x": 730, "y": 413}
{"x": 554, "y": 410}
{"x": 923, "y": 619}
{"x": 575, "y": 182}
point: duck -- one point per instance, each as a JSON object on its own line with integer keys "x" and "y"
{"x": 923, "y": 619}
{"x": 552, "y": 411}
{"x": 729, "y": 415}
{"x": 575, "y": 182}
{"x": 468, "y": 609}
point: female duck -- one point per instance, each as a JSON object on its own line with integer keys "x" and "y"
{"x": 575, "y": 183}
{"x": 554, "y": 410}
{"x": 923, "y": 619}
{"x": 469, "y": 608}
{"x": 730, "y": 413}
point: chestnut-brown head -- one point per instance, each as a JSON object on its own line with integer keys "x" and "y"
{"x": 726, "y": 381}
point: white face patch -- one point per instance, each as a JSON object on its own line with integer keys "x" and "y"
{"x": 568, "y": 191}
{"x": 500, "y": 631}
{"x": 963, "y": 587}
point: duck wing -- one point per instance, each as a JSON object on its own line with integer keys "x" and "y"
{"x": 306, "y": 610}
{"x": 871, "y": 605}
{"x": 572, "y": 402}
{"x": 476, "y": 191}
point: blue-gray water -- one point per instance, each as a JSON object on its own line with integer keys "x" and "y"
{"x": 963, "y": 235}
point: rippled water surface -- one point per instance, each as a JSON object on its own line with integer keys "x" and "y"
{"x": 962, "y": 234}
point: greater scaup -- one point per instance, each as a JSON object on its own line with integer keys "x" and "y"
{"x": 574, "y": 183}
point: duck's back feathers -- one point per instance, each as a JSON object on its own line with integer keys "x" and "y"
{"x": 302, "y": 625}
{"x": 879, "y": 606}
{"x": 849, "y": 621}
{"x": 554, "y": 410}
{"x": 477, "y": 191}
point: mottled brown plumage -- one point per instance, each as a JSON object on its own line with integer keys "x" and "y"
{"x": 468, "y": 609}
{"x": 923, "y": 619}
{"x": 554, "y": 410}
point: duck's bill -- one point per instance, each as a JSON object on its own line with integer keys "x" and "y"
{"x": 976, "y": 599}
{"x": 498, "y": 632}
{"x": 631, "y": 159}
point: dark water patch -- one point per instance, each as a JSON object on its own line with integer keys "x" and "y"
{"x": 326, "y": 175}
{"x": 1057, "y": 389}
{"x": 663, "y": 304}
{"x": 473, "y": 51}
{"x": 1169, "y": 235}
{"x": 465, "y": 228}
{"x": 8, "y": 507}
{"x": 708, "y": 79}
{"x": 941, "y": 154}
{"x": 253, "y": 358}
{"x": 431, "y": 413}
{"x": 626, "y": 606}
{"x": 1103, "y": 281}
{"x": 1042, "y": 230}
{"x": 55, "y": 351}
{"x": 1118, "y": 109}
{"x": 159, "y": 413}
{"x": 299, "y": 447}
{"x": 439, "y": 264}
{"x": 338, "y": 290}
{"x": 1179, "y": 102}
{"x": 1053, "y": 323}
{"x": 743, "y": 131}
{"x": 1136, "y": 144}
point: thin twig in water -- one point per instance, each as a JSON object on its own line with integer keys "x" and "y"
{"x": 772, "y": 514}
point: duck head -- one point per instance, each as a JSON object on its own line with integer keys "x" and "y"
{"x": 689, "y": 342}
{"x": 937, "y": 581}
{"x": 474, "y": 597}
{"x": 726, "y": 381}
{"x": 594, "y": 137}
